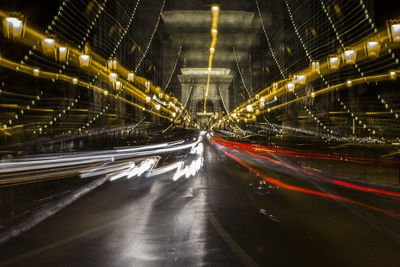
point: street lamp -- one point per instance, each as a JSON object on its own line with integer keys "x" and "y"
{"x": 349, "y": 56}
{"x": 372, "y": 48}
{"x": 249, "y": 108}
{"x": 14, "y": 25}
{"x": 147, "y": 84}
{"x": 157, "y": 107}
{"x": 393, "y": 27}
{"x": 113, "y": 77}
{"x": 290, "y": 86}
{"x": 274, "y": 87}
{"x": 118, "y": 85}
{"x": 74, "y": 81}
{"x": 215, "y": 9}
{"x": 84, "y": 60}
{"x": 36, "y": 72}
{"x": 49, "y": 46}
{"x": 392, "y": 75}
{"x": 299, "y": 78}
{"x": 112, "y": 64}
{"x": 333, "y": 62}
{"x": 131, "y": 76}
{"x": 315, "y": 66}
{"x": 62, "y": 54}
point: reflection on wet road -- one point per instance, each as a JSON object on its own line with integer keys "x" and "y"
{"x": 231, "y": 208}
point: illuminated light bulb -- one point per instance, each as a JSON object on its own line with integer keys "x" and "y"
{"x": 148, "y": 99}
{"x": 62, "y": 54}
{"x": 160, "y": 95}
{"x": 214, "y": 32}
{"x": 312, "y": 94}
{"x": 215, "y": 9}
{"x": 105, "y": 92}
{"x": 372, "y": 48}
{"x": 209, "y": 69}
{"x": 349, "y": 83}
{"x": 157, "y": 107}
{"x": 173, "y": 114}
{"x": 112, "y": 64}
{"x": 249, "y": 108}
{"x": 257, "y": 112}
{"x": 245, "y": 120}
{"x": 75, "y": 81}
{"x": 392, "y": 75}
{"x": 36, "y": 72}
{"x": 315, "y": 66}
{"x": 290, "y": 86}
{"x": 113, "y": 77}
{"x": 349, "y": 56}
{"x": 14, "y": 26}
{"x": 212, "y": 49}
{"x": 131, "y": 76}
{"x": 84, "y": 61}
{"x": 253, "y": 117}
{"x": 395, "y": 32}
{"x": 234, "y": 115}
{"x": 48, "y": 46}
{"x": 333, "y": 62}
{"x": 147, "y": 84}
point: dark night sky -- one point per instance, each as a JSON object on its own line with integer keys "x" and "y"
{"x": 40, "y": 12}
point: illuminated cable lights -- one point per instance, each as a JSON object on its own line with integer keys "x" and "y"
{"x": 249, "y": 108}
{"x": 14, "y": 25}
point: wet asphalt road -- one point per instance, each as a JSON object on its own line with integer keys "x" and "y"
{"x": 222, "y": 216}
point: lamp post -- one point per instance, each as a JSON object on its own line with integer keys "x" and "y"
{"x": 14, "y": 25}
